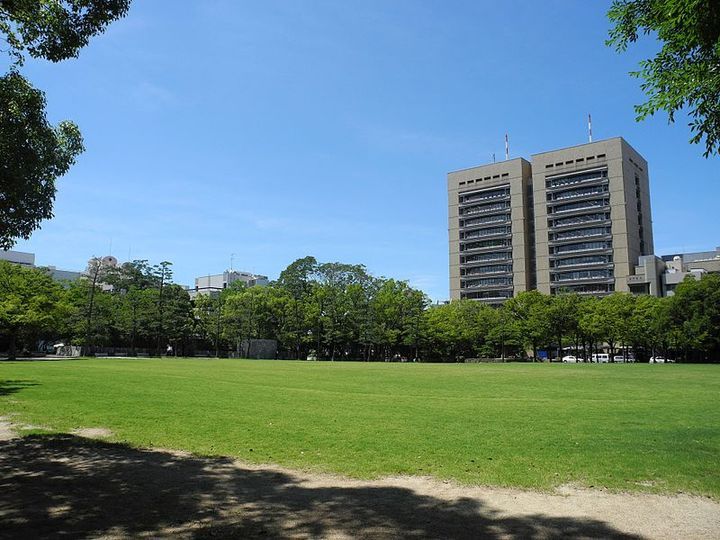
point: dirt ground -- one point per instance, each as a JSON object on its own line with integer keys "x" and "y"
{"x": 72, "y": 486}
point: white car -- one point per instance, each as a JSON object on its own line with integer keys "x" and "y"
{"x": 660, "y": 360}
{"x": 569, "y": 359}
{"x": 601, "y": 358}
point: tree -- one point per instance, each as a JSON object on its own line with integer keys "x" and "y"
{"x": 694, "y": 313}
{"x": 162, "y": 273}
{"x": 55, "y": 29}
{"x": 685, "y": 73}
{"x": 563, "y": 316}
{"x": 33, "y": 154}
{"x": 30, "y": 301}
{"x": 529, "y": 309}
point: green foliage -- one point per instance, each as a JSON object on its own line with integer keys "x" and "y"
{"x": 694, "y": 314}
{"x": 34, "y": 154}
{"x": 335, "y": 311}
{"x": 55, "y": 29}
{"x": 627, "y": 428}
{"x": 30, "y": 302}
{"x": 685, "y": 73}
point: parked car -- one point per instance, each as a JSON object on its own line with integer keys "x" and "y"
{"x": 601, "y": 358}
{"x": 569, "y": 359}
{"x": 660, "y": 360}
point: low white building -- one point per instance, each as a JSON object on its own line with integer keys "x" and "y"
{"x": 215, "y": 283}
{"x": 659, "y": 276}
{"x": 28, "y": 260}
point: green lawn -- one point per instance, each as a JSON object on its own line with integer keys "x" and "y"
{"x": 630, "y": 427}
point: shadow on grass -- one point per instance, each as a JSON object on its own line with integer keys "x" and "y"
{"x": 11, "y": 386}
{"x": 63, "y": 485}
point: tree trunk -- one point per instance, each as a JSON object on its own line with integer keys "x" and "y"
{"x": 12, "y": 347}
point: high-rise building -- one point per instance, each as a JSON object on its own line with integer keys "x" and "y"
{"x": 490, "y": 218}
{"x": 592, "y": 217}
{"x": 572, "y": 220}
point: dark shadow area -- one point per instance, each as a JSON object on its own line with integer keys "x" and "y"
{"x": 11, "y": 386}
{"x": 49, "y": 358}
{"x": 71, "y": 487}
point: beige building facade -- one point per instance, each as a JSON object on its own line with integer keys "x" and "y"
{"x": 592, "y": 217}
{"x": 489, "y": 225}
{"x": 572, "y": 220}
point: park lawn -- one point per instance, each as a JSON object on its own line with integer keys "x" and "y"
{"x": 623, "y": 427}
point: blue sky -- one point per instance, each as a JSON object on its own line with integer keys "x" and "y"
{"x": 274, "y": 130}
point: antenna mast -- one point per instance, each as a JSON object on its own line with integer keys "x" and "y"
{"x": 507, "y": 148}
{"x": 589, "y": 127}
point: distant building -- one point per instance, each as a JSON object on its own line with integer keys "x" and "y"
{"x": 570, "y": 220}
{"x": 28, "y": 260}
{"x": 18, "y": 257}
{"x": 214, "y": 283}
{"x": 659, "y": 276}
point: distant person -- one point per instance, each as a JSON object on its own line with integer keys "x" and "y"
{"x": 169, "y": 350}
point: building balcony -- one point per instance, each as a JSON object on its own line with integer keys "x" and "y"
{"x": 594, "y": 204}
{"x": 483, "y": 209}
{"x": 580, "y": 238}
{"x": 480, "y": 233}
{"x": 579, "y": 222}
{"x": 475, "y": 199}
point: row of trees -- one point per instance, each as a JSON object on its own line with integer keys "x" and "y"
{"x": 339, "y": 311}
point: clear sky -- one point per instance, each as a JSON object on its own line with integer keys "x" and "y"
{"x": 279, "y": 129}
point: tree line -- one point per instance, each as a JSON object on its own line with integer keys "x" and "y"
{"x": 337, "y": 311}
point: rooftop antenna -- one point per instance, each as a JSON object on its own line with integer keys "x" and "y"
{"x": 507, "y": 148}
{"x": 493, "y": 155}
{"x": 232, "y": 259}
{"x": 589, "y": 127}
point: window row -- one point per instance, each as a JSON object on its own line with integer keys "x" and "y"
{"x": 582, "y": 274}
{"x": 484, "y": 195}
{"x": 579, "y": 233}
{"x": 482, "y": 244}
{"x": 486, "y": 257}
{"x": 578, "y": 220}
{"x": 498, "y": 218}
{"x": 580, "y": 246}
{"x": 581, "y": 205}
{"x": 584, "y": 260}
{"x": 577, "y": 192}
{"x": 575, "y": 179}
{"x": 490, "y": 231}
{"x": 487, "y": 295}
{"x": 485, "y": 282}
{"x": 588, "y": 288}
{"x": 484, "y": 208}
{"x": 491, "y": 269}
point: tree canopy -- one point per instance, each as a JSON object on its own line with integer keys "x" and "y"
{"x": 337, "y": 311}
{"x": 33, "y": 153}
{"x": 685, "y": 73}
{"x": 55, "y": 29}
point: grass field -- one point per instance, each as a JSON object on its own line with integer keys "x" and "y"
{"x": 628, "y": 427}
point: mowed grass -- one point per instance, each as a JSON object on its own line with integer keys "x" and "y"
{"x": 627, "y": 427}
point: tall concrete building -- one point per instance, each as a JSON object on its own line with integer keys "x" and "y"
{"x": 573, "y": 220}
{"x": 490, "y": 227}
{"x": 592, "y": 217}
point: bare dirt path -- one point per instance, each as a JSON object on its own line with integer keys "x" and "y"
{"x": 76, "y": 487}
